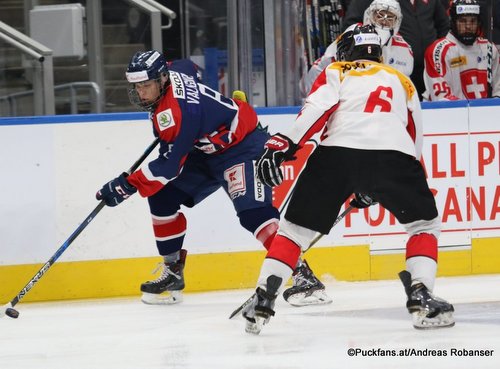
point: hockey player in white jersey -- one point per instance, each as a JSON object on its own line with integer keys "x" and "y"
{"x": 370, "y": 116}
{"x": 462, "y": 65}
{"x": 386, "y": 16}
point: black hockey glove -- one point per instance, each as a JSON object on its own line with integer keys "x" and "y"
{"x": 115, "y": 191}
{"x": 277, "y": 149}
{"x": 361, "y": 201}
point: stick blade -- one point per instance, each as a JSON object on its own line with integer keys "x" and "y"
{"x": 9, "y": 311}
{"x": 240, "y": 309}
{"x": 12, "y": 313}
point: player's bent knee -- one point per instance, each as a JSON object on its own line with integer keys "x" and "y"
{"x": 261, "y": 221}
{"x": 300, "y": 235}
{"x": 432, "y": 226}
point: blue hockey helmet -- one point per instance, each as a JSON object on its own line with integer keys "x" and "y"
{"x": 145, "y": 66}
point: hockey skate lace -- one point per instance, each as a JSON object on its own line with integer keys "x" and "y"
{"x": 302, "y": 280}
{"x": 165, "y": 272}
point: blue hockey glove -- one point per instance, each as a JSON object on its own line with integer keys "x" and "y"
{"x": 361, "y": 201}
{"x": 115, "y": 191}
{"x": 277, "y": 149}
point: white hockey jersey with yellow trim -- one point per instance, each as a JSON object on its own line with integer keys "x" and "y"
{"x": 362, "y": 105}
{"x": 397, "y": 54}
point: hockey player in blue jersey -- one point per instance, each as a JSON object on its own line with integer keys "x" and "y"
{"x": 208, "y": 141}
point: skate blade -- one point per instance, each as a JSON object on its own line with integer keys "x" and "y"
{"x": 255, "y": 327}
{"x": 166, "y": 298}
{"x": 443, "y": 320}
{"x": 318, "y": 297}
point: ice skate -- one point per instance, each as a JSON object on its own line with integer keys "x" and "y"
{"x": 167, "y": 288}
{"x": 260, "y": 310}
{"x": 427, "y": 310}
{"x": 306, "y": 289}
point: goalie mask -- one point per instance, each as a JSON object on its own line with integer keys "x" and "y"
{"x": 465, "y": 20}
{"x": 386, "y": 16}
{"x": 359, "y": 42}
{"x": 143, "y": 67}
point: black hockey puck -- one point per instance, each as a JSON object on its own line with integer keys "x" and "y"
{"x": 13, "y": 313}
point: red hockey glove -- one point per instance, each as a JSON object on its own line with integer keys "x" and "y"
{"x": 278, "y": 149}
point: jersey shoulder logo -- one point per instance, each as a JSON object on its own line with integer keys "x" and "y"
{"x": 178, "y": 89}
{"x": 165, "y": 119}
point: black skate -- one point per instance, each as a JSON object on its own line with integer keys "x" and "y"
{"x": 261, "y": 310}
{"x": 306, "y": 289}
{"x": 167, "y": 288}
{"x": 428, "y": 311}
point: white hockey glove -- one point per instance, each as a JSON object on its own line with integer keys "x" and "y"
{"x": 278, "y": 149}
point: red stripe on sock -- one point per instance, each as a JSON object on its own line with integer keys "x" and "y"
{"x": 423, "y": 244}
{"x": 284, "y": 250}
{"x": 170, "y": 227}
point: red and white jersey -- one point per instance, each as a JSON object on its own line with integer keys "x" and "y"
{"x": 397, "y": 54}
{"x": 455, "y": 71}
{"x": 362, "y": 105}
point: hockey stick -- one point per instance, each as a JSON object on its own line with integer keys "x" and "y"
{"x": 320, "y": 235}
{"x": 8, "y": 309}
{"x": 315, "y": 240}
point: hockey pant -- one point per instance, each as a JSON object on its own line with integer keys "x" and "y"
{"x": 202, "y": 175}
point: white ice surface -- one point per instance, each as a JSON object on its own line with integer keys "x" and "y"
{"x": 124, "y": 333}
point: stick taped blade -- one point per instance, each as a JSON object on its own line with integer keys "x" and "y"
{"x": 8, "y": 310}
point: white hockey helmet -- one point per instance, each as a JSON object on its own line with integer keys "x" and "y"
{"x": 386, "y": 16}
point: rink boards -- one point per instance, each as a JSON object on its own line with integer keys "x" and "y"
{"x": 52, "y": 166}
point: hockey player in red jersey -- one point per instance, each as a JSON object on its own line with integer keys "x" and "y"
{"x": 370, "y": 117}
{"x": 462, "y": 65}
{"x": 386, "y": 16}
{"x": 208, "y": 141}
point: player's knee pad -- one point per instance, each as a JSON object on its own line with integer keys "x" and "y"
{"x": 300, "y": 235}
{"x": 262, "y": 222}
{"x": 169, "y": 232}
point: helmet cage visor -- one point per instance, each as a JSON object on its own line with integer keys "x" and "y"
{"x": 461, "y": 12}
{"x": 383, "y": 18}
{"x": 384, "y": 15}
